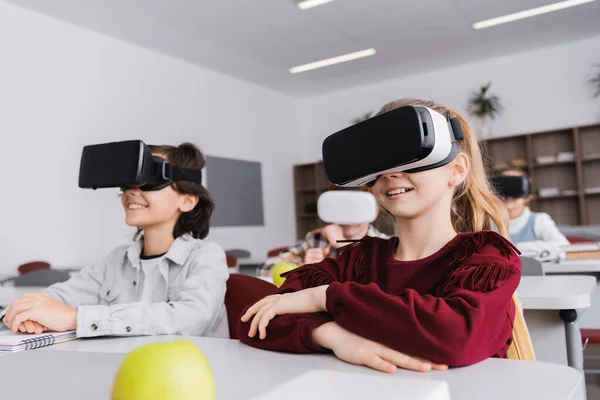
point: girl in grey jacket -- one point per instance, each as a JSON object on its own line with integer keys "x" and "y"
{"x": 169, "y": 281}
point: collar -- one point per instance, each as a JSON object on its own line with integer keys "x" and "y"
{"x": 178, "y": 252}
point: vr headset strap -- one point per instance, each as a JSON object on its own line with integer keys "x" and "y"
{"x": 169, "y": 171}
{"x": 456, "y": 129}
{"x": 186, "y": 174}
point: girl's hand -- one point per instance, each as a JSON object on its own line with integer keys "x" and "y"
{"x": 305, "y": 301}
{"x": 313, "y": 256}
{"x": 333, "y": 233}
{"x": 360, "y": 351}
{"x": 43, "y": 309}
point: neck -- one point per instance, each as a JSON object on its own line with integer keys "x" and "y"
{"x": 516, "y": 213}
{"x": 424, "y": 235}
{"x": 157, "y": 240}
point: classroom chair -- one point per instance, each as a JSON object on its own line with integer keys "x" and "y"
{"x": 43, "y": 277}
{"x": 531, "y": 267}
{"x": 580, "y": 239}
{"x": 276, "y": 251}
{"x": 239, "y": 253}
{"x": 242, "y": 291}
{"x": 232, "y": 264}
{"x": 32, "y": 266}
{"x": 590, "y": 336}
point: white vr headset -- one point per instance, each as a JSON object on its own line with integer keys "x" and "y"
{"x": 347, "y": 207}
{"x": 407, "y": 139}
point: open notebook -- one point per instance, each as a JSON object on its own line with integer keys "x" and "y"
{"x": 14, "y": 342}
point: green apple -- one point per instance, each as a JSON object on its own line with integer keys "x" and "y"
{"x": 174, "y": 370}
{"x": 279, "y": 269}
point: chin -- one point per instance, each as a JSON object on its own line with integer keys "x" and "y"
{"x": 134, "y": 222}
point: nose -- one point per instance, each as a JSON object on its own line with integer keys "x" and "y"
{"x": 392, "y": 175}
{"x": 132, "y": 191}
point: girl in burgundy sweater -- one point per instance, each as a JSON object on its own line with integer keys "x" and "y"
{"x": 439, "y": 291}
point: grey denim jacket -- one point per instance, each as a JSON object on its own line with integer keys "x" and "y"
{"x": 192, "y": 286}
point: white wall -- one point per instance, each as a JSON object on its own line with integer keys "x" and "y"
{"x": 62, "y": 87}
{"x": 540, "y": 90}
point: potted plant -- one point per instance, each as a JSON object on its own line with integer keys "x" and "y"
{"x": 595, "y": 81}
{"x": 485, "y": 107}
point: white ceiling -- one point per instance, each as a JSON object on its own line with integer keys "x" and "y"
{"x": 259, "y": 40}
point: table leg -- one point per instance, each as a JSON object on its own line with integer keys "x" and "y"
{"x": 573, "y": 336}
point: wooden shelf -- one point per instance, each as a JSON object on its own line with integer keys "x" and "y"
{"x": 539, "y": 165}
{"x": 558, "y": 196}
{"x": 591, "y": 158}
{"x": 581, "y": 172}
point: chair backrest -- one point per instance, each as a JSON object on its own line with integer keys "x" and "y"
{"x": 531, "y": 267}
{"x": 232, "y": 261}
{"x": 242, "y": 291}
{"x": 580, "y": 239}
{"x": 276, "y": 251}
{"x": 32, "y": 266}
{"x": 239, "y": 253}
{"x": 521, "y": 347}
{"x": 43, "y": 277}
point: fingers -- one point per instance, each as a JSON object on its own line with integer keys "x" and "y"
{"x": 29, "y": 326}
{"x": 403, "y": 361}
{"x": 379, "y": 364}
{"x": 267, "y": 316}
{"x": 257, "y": 306}
{"x": 255, "y": 322}
{"x": 434, "y": 366}
{"x": 15, "y": 308}
{"x": 19, "y": 319}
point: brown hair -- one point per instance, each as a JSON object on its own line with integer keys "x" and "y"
{"x": 195, "y": 222}
{"x": 475, "y": 207}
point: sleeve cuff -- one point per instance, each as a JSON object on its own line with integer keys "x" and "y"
{"x": 330, "y": 296}
{"x": 93, "y": 321}
{"x": 306, "y": 329}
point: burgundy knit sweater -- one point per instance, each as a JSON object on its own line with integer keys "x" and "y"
{"x": 454, "y": 307}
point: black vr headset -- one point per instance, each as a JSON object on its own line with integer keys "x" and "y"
{"x": 511, "y": 187}
{"x": 129, "y": 164}
{"x": 407, "y": 139}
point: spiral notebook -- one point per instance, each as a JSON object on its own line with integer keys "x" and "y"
{"x": 14, "y": 342}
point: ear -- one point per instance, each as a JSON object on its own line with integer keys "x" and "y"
{"x": 460, "y": 169}
{"x": 528, "y": 199}
{"x": 188, "y": 202}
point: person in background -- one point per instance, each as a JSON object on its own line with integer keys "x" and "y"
{"x": 534, "y": 233}
{"x": 320, "y": 243}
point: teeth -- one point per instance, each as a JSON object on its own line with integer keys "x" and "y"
{"x": 398, "y": 191}
{"x": 136, "y": 207}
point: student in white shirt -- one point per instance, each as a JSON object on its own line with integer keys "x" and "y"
{"x": 169, "y": 281}
{"x": 531, "y": 232}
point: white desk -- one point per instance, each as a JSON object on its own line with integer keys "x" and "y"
{"x": 552, "y": 306}
{"x": 573, "y": 267}
{"x": 556, "y": 292}
{"x": 243, "y": 372}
